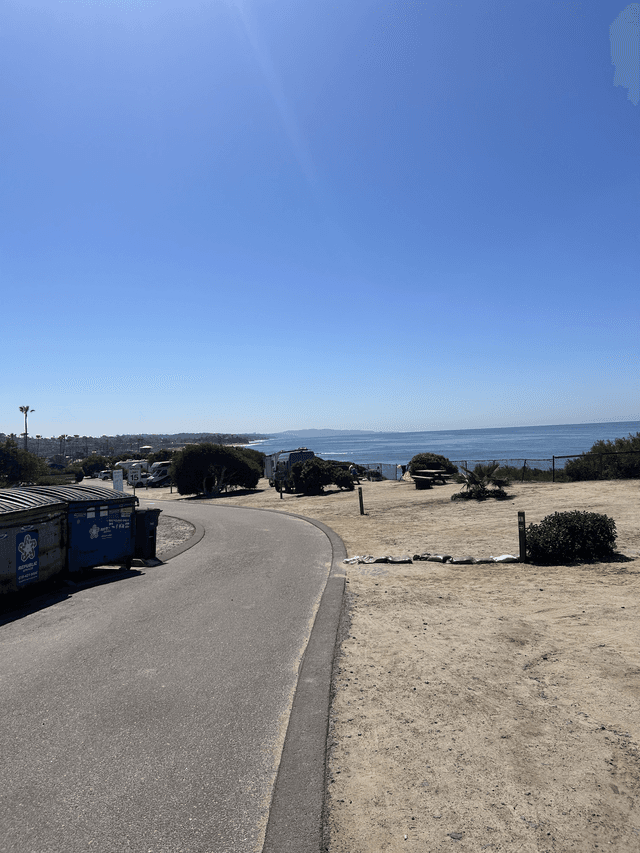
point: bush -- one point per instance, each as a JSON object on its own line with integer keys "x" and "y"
{"x": 421, "y": 460}
{"x": 480, "y": 493}
{"x": 567, "y": 536}
{"x": 343, "y": 479}
{"x": 531, "y": 475}
{"x": 310, "y": 477}
{"x": 607, "y": 460}
{"x": 476, "y": 483}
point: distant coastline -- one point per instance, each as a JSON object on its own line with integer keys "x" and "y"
{"x": 537, "y": 444}
{"x": 319, "y": 433}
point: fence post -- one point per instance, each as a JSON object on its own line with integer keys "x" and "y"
{"x": 553, "y": 469}
{"x": 522, "y": 535}
{"x": 360, "y": 499}
{"x": 523, "y": 469}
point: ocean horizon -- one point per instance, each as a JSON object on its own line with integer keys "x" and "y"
{"x": 505, "y": 444}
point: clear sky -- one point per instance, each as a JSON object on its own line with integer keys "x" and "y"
{"x": 258, "y": 215}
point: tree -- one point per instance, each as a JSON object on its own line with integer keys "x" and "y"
{"x": 25, "y": 411}
{"x": 92, "y": 464}
{"x": 161, "y": 456}
{"x": 19, "y": 466}
{"x": 211, "y": 468}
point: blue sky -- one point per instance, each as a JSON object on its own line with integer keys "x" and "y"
{"x": 258, "y": 215}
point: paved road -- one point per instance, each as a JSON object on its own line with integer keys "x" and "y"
{"x": 149, "y": 714}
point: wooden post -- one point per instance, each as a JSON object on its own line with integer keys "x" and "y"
{"x": 360, "y": 499}
{"x": 553, "y": 469}
{"x": 523, "y": 469}
{"x": 522, "y": 534}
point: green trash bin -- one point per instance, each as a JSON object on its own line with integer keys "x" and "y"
{"x": 146, "y": 533}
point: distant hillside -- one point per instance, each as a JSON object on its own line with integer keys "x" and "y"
{"x": 70, "y": 447}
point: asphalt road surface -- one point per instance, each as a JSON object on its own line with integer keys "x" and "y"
{"x": 149, "y": 714}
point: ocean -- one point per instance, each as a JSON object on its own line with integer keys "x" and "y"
{"x": 471, "y": 445}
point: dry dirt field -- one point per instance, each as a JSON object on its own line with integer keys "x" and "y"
{"x": 481, "y": 707}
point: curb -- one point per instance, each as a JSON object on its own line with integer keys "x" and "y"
{"x": 295, "y": 823}
{"x": 195, "y": 537}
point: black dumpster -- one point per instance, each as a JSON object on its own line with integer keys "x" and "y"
{"x": 100, "y": 524}
{"x": 32, "y": 538}
{"x": 146, "y": 533}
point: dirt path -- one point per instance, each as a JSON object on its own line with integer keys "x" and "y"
{"x": 482, "y": 707}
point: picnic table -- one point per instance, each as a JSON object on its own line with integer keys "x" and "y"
{"x": 426, "y": 477}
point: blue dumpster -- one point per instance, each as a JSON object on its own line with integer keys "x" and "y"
{"x": 32, "y": 539}
{"x": 100, "y": 524}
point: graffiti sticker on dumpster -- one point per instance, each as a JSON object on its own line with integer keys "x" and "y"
{"x": 27, "y": 557}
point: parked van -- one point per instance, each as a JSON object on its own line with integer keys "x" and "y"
{"x": 159, "y": 474}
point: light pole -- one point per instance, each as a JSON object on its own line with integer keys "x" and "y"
{"x": 38, "y": 445}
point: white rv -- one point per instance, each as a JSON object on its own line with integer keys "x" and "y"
{"x": 159, "y": 474}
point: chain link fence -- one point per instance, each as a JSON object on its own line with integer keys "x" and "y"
{"x": 616, "y": 465}
{"x": 524, "y": 470}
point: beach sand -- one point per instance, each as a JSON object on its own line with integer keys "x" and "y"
{"x": 481, "y": 707}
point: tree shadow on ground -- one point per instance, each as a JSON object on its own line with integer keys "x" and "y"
{"x": 236, "y": 493}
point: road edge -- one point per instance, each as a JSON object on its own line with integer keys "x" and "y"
{"x": 296, "y": 814}
{"x": 297, "y": 810}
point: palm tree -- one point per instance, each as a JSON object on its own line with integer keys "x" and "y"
{"x": 477, "y": 482}
{"x": 25, "y": 411}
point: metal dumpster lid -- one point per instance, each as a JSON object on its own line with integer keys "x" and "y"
{"x": 15, "y": 500}
{"x": 82, "y": 494}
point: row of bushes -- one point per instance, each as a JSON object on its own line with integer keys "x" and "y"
{"x": 606, "y": 460}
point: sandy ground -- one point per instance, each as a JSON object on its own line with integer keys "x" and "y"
{"x": 171, "y": 532}
{"x": 481, "y": 707}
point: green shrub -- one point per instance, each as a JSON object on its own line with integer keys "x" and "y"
{"x": 480, "y": 493}
{"x": 57, "y": 480}
{"x": 607, "y": 460}
{"x": 421, "y": 460}
{"x": 310, "y": 477}
{"x": 567, "y": 536}
{"x": 342, "y": 478}
{"x": 531, "y": 475}
{"x": 476, "y": 483}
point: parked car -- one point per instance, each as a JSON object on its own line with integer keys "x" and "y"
{"x": 105, "y": 475}
{"x": 157, "y": 481}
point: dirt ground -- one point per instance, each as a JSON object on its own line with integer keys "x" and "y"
{"x": 481, "y": 707}
{"x": 171, "y": 532}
